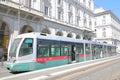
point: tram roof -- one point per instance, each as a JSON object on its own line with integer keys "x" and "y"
{"x": 51, "y": 37}
{"x": 59, "y": 38}
{"x": 100, "y": 43}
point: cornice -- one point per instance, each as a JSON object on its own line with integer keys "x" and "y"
{"x": 108, "y": 12}
{"x": 80, "y": 6}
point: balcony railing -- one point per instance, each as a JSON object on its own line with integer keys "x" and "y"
{"x": 63, "y": 22}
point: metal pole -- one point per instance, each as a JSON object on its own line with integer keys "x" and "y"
{"x": 19, "y": 16}
{"x": 84, "y": 52}
{"x": 90, "y": 51}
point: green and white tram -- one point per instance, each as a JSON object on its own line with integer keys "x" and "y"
{"x": 33, "y": 51}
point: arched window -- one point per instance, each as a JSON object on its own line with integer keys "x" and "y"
{"x": 59, "y": 33}
{"x": 70, "y": 35}
{"x": 46, "y": 30}
{"x": 26, "y": 29}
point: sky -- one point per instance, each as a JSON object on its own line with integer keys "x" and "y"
{"x": 113, "y": 5}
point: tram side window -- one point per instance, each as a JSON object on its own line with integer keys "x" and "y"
{"x": 113, "y": 49}
{"x": 108, "y": 49}
{"x": 87, "y": 46}
{"x": 26, "y": 47}
{"x": 97, "y": 49}
{"x": 43, "y": 51}
{"x": 80, "y": 49}
{"x": 105, "y": 49}
{"x": 64, "y": 50}
{"x": 55, "y": 50}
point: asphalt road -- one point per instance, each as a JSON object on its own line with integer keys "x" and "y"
{"x": 107, "y": 71}
{"x": 3, "y": 71}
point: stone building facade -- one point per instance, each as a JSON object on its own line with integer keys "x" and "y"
{"x": 107, "y": 27}
{"x": 68, "y": 18}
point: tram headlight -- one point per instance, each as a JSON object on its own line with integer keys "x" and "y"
{"x": 11, "y": 65}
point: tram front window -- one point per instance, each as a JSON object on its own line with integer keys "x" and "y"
{"x": 14, "y": 47}
{"x": 26, "y": 47}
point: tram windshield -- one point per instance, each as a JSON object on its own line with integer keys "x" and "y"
{"x": 14, "y": 47}
{"x": 26, "y": 47}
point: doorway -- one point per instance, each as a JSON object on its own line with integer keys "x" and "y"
{"x": 73, "y": 52}
{"x": 4, "y": 38}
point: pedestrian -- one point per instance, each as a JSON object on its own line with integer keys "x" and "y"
{"x": 1, "y": 53}
{"x": 94, "y": 53}
{"x": 2, "y": 61}
{"x": 2, "y": 58}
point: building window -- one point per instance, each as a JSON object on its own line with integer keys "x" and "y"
{"x": 84, "y": 15}
{"x": 85, "y": 22}
{"x": 70, "y": 15}
{"x": 60, "y": 15}
{"x": 89, "y": 3}
{"x": 77, "y": 12}
{"x": 69, "y": 7}
{"x": 2, "y": 0}
{"x": 90, "y": 23}
{"x": 104, "y": 21}
{"x": 77, "y": 16}
{"x": 104, "y": 32}
{"x": 95, "y": 30}
{"x": 26, "y": 3}
{"x": 70, "y": 19}
{"x": 59, "y": 1}
{"x": 95, "y": 23}
{"x": 104, "y": 17}
{"x": 46, "y": 11}
{"x": 84, "y": 2}
{"x": 77, "y": 20}
{"x": 34, "y": 0}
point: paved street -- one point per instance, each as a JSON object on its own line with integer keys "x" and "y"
{"x": 107, "y": 71}
{"x": 3, "y": 71}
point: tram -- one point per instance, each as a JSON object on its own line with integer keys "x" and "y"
{"x": 33, "y": 51}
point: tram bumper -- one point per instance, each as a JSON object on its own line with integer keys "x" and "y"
{"x": 13, "y": 67}
{"x": 18, "y": 67}
{"x": 9, "y": 66}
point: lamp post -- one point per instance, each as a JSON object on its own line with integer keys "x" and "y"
{"x": 19, "y": 16}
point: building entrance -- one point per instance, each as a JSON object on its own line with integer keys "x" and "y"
{"x": 4, "y": 39}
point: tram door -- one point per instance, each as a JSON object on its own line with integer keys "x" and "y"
{"x": 73, "y": 49}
